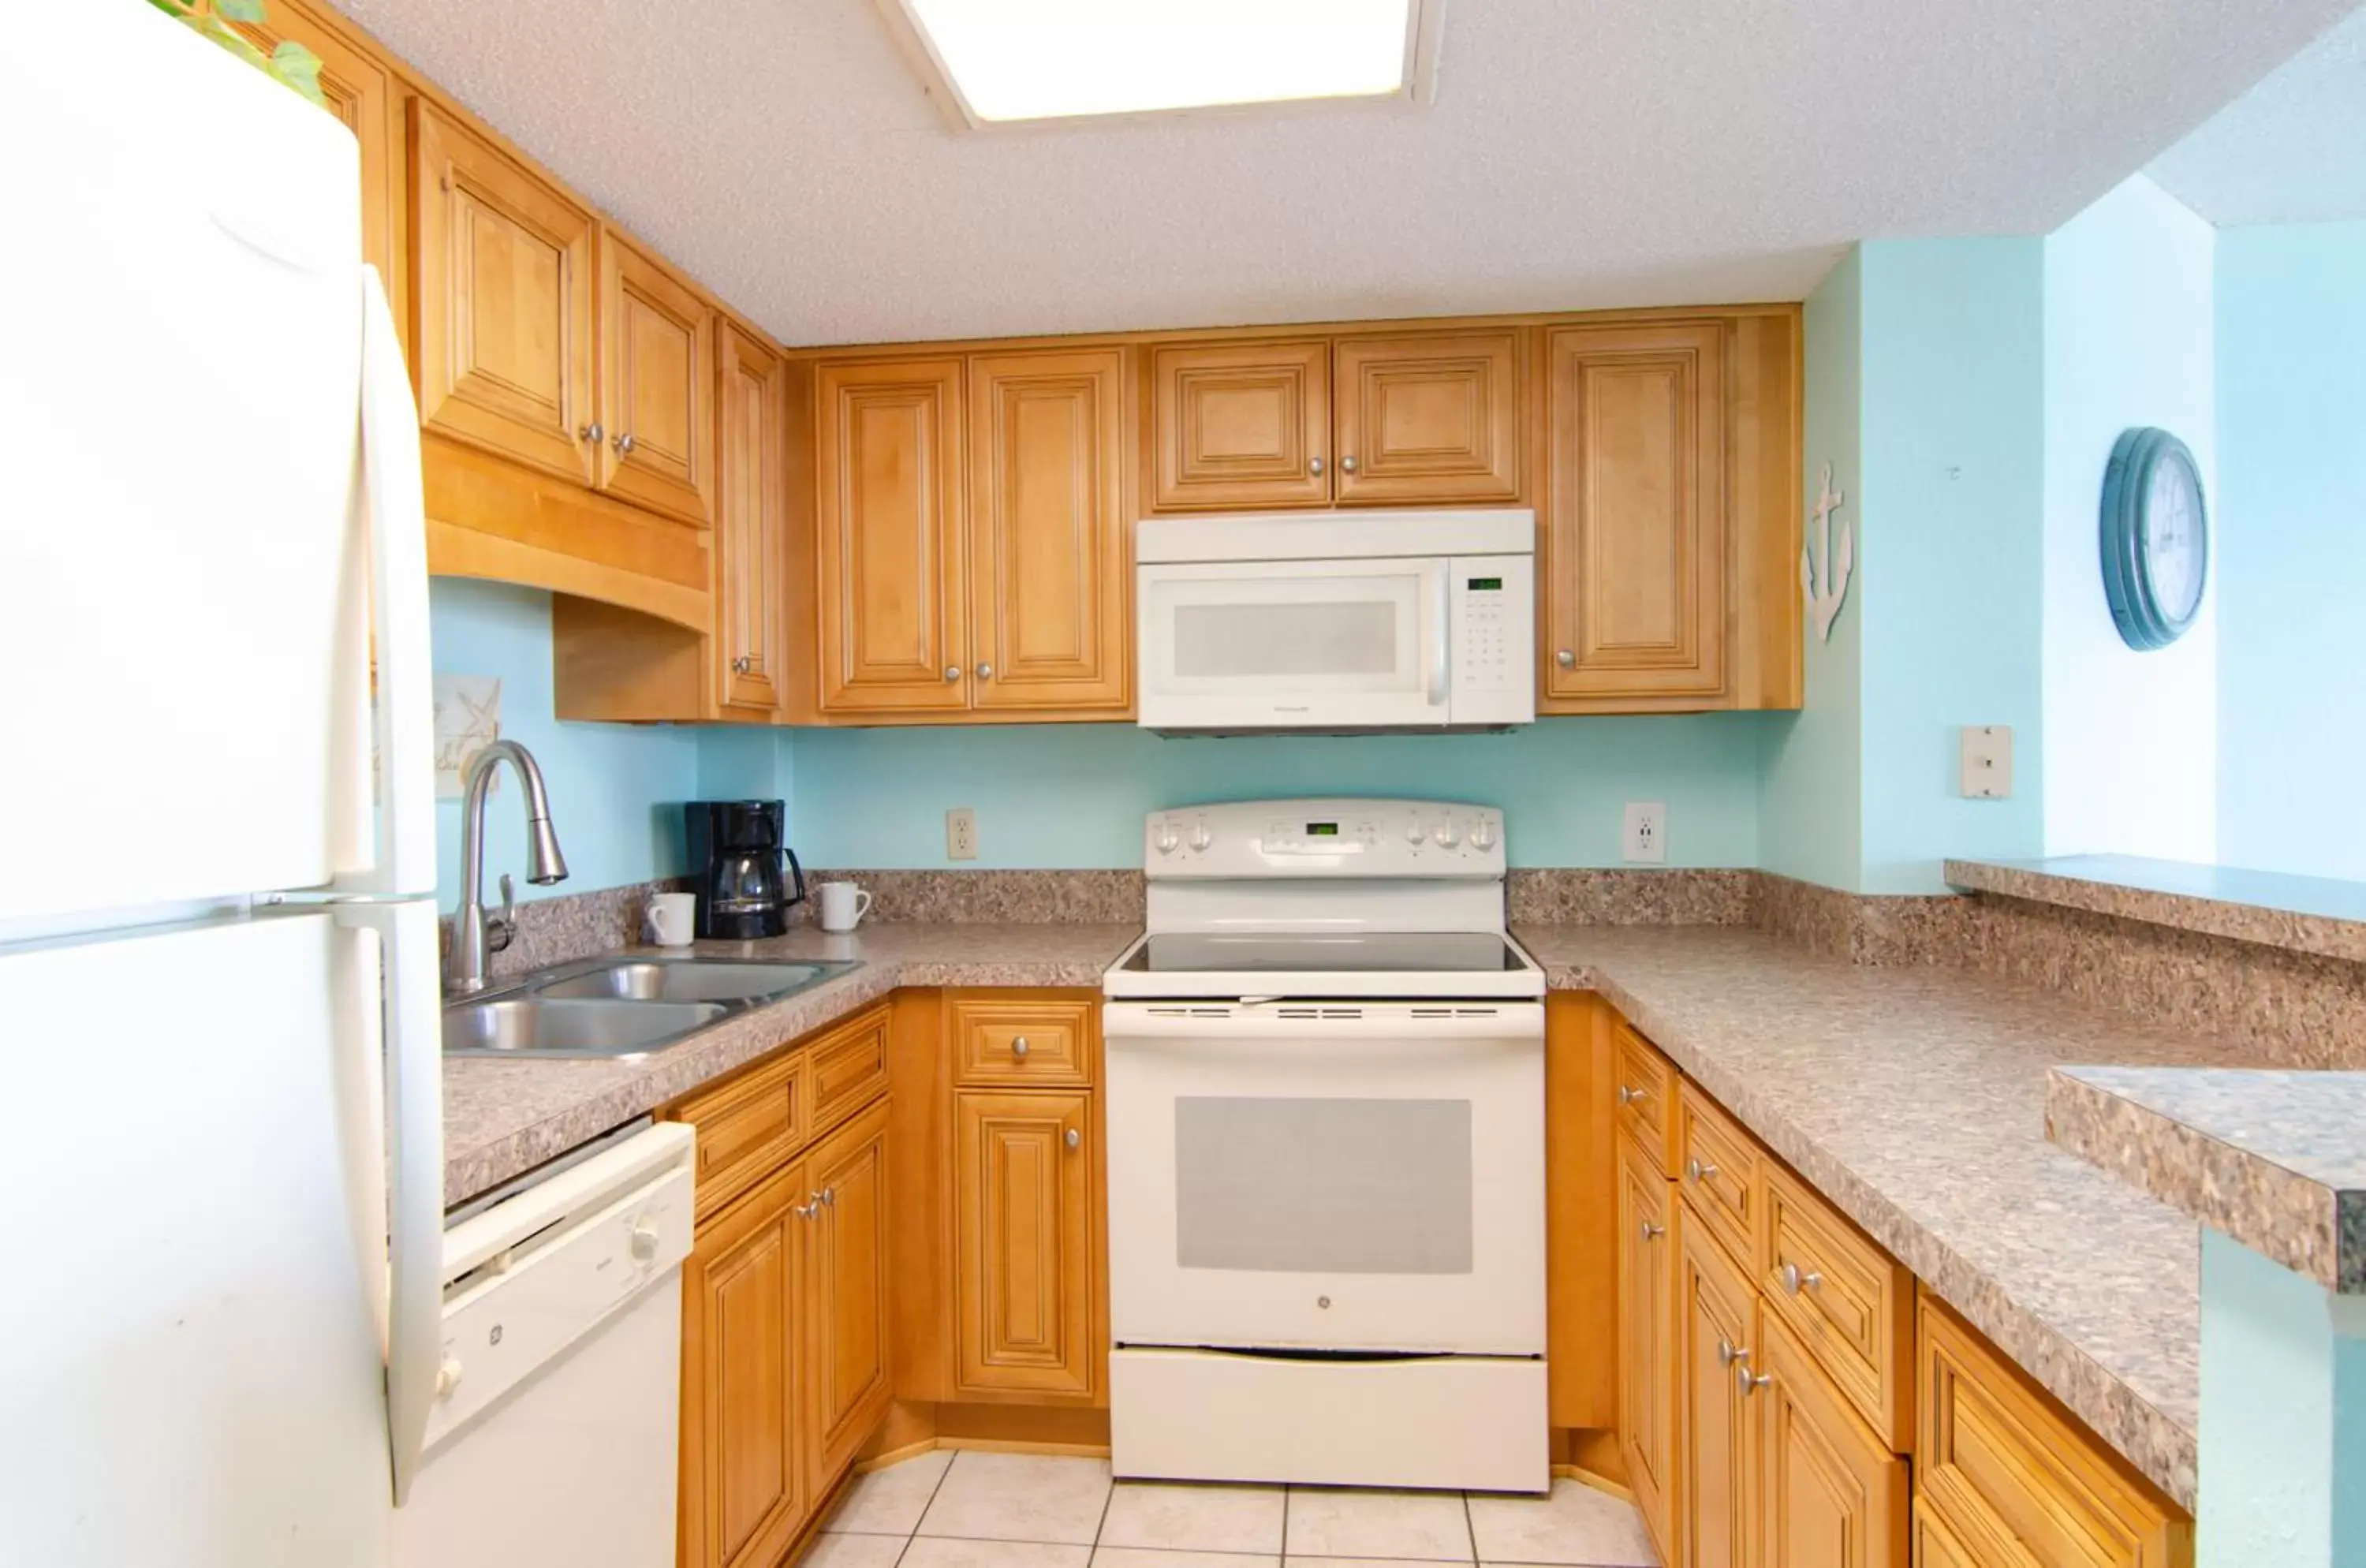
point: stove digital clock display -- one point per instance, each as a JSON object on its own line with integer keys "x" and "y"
{"x": 1322, "y": 829}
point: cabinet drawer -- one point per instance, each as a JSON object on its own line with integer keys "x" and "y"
{"x": 1022, "y": 1041}
{"x": 847, "y": 1067}
{"x": 1850, "y": 1303}
{"x": 2017, "y": 1481}
{"x": 1717, "y": 1170}
{"x": 748, "y": 1128}
{"x": 1645, "y": 1088}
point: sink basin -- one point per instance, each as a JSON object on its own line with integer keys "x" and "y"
{"x": 689, "y": 980}
{"x": 535, "y": 1026}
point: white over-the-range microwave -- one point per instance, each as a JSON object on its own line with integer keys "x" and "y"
{"x": 1336, "y": 621}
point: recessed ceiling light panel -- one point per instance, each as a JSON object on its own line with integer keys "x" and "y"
{"x": 1017, "y": 62}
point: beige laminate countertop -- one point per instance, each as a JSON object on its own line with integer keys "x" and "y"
{"x": 1915, "y": 1100}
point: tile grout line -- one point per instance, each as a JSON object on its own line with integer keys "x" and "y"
{"x": 1108, "y": 1497}
{"x": 941, "y": 1476}
{"x": 1471, "y": 1529}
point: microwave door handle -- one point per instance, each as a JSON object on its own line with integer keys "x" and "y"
{"x": 1440, "y": 637}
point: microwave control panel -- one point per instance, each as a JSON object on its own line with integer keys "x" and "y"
{"x": 1491, "y": 620}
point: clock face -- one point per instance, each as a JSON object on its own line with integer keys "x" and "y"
{"x": 2155, "y": 537}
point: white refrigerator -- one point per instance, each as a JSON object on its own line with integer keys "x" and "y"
{"x": 220, "y": 1117}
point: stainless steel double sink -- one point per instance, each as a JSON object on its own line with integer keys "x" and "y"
{"x": 620, "y": 1006}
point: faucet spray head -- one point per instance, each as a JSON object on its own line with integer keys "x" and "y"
{"x": 545, "y": 862}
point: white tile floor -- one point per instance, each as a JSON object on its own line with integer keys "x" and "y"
{"x": 990, "y": 1510}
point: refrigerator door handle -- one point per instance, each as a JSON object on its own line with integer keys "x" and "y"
{"x": 414, "y": 1057}
{"x": 405, "y": 863}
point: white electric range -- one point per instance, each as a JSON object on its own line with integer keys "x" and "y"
{"x": 1326, "y": 1101}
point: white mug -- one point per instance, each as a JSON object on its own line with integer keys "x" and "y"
{"x": 843, "y": 905}
{"x": 673, "y": 918}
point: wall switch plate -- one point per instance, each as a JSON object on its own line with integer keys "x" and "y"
{"x": 1987, "y": 762}
{"x": 961, "y": 833}
{"x": 1647, "y": 832}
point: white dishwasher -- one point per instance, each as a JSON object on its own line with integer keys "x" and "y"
{"x": 553, "y": 1439}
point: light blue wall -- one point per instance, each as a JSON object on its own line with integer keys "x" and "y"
{"x": 1074, "y": 796}
{"x": 1809, "y": 805}
{"x": 2291, "y": 515}
{"x": 2131, "y": 738}
{"x": 614, "y": 789}
{"x": 1949, "y": 547}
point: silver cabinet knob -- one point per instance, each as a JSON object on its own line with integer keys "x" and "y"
{"x": 1728, "y": 1352}
{"x": 1347, "y": 465}
{"x": 1314, "y": 467}
{"x": 741, "y": 665}
{"x": 1565, "y": 659}
{"x": 827, "y": 1197}
{"x": 1075, "y": 1138}
{"x": 1793, "y": 1279}
{"x": 952, "y": 672}
{"x": 1630, "y": 1096}
{"x": 1697, "y": 1172}
{"x": 1018, "y": 1047}
{"x": 807, "y": 1211}
{"x": 595, "y": 433}
{"x": 1745, "y": 1382}
{"x": 625, "y": 443}
{"x": 985, "y": 672}
{"x": 1652, "y": 1231}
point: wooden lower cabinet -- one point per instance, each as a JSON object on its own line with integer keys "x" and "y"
{"x": 847, "y": 1325}
{"x": 1717, "y": 1447}
{"x": 1024, "y": 1265}
{"x": 1647, "y": 1364}
{"x": 1830, "y": 1493}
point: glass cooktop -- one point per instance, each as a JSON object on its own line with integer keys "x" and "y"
{"x": 1369, "y": 953}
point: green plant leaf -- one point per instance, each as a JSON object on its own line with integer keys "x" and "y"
{"x": 300, "y": 68}
{"x": 222, "y": 34}
{"x": 238, "y": 10}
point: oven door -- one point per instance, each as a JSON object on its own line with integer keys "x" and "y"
{"x": 1327, "y": 1176}
{"x": 1280, "y": 645}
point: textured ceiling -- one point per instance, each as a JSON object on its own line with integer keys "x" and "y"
{"x": 2293, "y": 150}
{"x": 1602, "y": 153}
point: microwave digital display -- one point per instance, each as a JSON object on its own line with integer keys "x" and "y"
{"x": 1485, "y": 584}
{"x": 1322, "y": 829}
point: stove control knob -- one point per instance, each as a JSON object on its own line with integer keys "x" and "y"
{"x": 1448, "y": 835}
{"x": 1482, "y": 833}
{"x": 1168, "y": 839}
{"x": 1200, "y": 837}
{"x": 1415, "y": 832}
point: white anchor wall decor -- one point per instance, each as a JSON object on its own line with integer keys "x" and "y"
{"x": 1824, "y": 601}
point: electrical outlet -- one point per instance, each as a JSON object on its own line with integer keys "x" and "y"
{"x": 1647, "y": 832}
{"x": 1987, "y": 762}
{"x": 961, "y": 833}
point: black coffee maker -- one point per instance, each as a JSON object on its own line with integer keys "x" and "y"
{"x": 747, "y": 877}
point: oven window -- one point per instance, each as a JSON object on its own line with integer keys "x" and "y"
{"x": 1323, "y": 1185}
{"x": 1234, "y": 641}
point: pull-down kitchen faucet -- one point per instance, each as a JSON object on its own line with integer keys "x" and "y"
{"x": 479, "y": 938}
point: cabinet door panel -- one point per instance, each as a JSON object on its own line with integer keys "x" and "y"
{"x": 1717, "y": 1315}
{"x": 502, "y": 288}
{"x": 849, "y": 1271}
{"x": 892, "y": 587}
{"x": 656, "y": 347}
{"x": 750, "y": 638}
{"x": 1241, "y": 425}
{"x": 1647, "y": 1353}
{"x": 743, "y": 1484}
{"x": 1637, "y": 544}
{"x": 1049, "y": 574}
{"x": 1427, "y": 419}
{"x": 1832, "y": 1494}
{"x": 1023, "y": 1198}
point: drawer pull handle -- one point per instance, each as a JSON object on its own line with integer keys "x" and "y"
{"x": 1075, "y": 1139}
{"x": 1627, "y": 1096}
{"x": 1745, "y": 1382}
{"x": 1652, "y": 1232}
{"x": 1019, "y": 1045}
{"x": 1697, "y": 1172}
{"x": 1793, "y": 1279}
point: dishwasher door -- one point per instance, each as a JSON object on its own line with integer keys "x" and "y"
{"x": 554, "y": 1436}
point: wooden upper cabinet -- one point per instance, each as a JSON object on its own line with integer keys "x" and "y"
{"x": 656, "y": 363}
{"x": 751, "y": 480}
{"x": 1646, "y": 1351}
{"x": 1241, "y": 426}
{"x": 889, "y": 519}
{"x": 743, "y": 1472}
{"x": 1636, "y": 540}
{"x": 848, "y": 1263}
{"x": 365, "y": 95}
{"x": 1832, "y": 1494}
{"x": 1717, "y": 1448}
{"x": 1049, "y": 574}
{"x": 503, "y": 287}
{"x": 1022, "y": 1199}
{"x": 1427, "y": 418}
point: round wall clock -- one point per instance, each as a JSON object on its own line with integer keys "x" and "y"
{"x": 2156, "y": 537}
